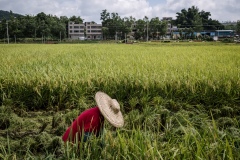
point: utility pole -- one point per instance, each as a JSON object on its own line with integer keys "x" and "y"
{"x": 7, "y": 33}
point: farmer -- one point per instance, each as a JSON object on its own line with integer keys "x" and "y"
{"x": 91, "y": 121}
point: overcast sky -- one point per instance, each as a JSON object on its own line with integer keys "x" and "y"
{"x": 89, "y": 10}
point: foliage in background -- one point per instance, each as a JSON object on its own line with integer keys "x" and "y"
{"x": 238, "y": 27}
{"x": 197, "y": 20}
{"x": 38, "y": 26}
{"x": 51, "y": 27}
{"x": 114, "y": 26}
{"x": 6, "y": 15}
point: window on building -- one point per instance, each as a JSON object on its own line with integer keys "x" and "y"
{"x": 76, "y": 31}
{"x": 96, "y": 31}
{"x": 97, "y": 27}
{"x": 76, "y": 26}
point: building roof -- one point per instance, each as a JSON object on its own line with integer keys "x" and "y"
{"x": 224, "y": 30}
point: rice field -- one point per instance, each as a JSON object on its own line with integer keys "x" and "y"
{"x": 180, "y": 100}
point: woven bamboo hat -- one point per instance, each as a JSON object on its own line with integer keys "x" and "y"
{"x": 110, "y": 109}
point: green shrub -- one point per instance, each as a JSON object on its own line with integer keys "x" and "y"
{"x": 227, "y": 40}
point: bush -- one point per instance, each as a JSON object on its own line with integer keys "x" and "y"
{"x": 209, "y": 39}
{"x": 227, "y": 40}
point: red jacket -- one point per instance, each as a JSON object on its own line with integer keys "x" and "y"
{"x": 91, "y": 120}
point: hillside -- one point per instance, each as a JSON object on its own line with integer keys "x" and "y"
{"x": 6, "y": 14}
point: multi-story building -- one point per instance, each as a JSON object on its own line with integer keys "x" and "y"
{"x": 93, "y": 30}
{"x": 87, "y": 30}
{"x": 75, "y": 31}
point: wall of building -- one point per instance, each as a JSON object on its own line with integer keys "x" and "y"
{"x": 93, "y": 30}
{"x": 87, "y": 30}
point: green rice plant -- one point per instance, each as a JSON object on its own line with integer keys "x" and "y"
{"x": 40, "y": 76}
{"x": 180, "y": 101}
{"x": 183, "y": 138}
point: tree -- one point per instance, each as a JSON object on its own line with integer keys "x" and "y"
{"x": 105, "y": 32}
{"x": 140, "y": 29}
{"x": 109, "y": 24}
{"x": 105, "y": 16}
{"x": 197, "y": 20}
{"x": 230, "y": 27}
{"x": 213, "y": 25}
{"x": 114, "y": 26}
{"x": 3, "y": 28}
{"x": 29, "y": 26}
{"x": 197, "y": 23}
{"x": 208, "y": 23}
{"x": 57, "y": 28}
{"x": 64, "y": 20}
{"x": 157, "y": 27}
{"x": 189, "y": 18}
{"x": 181, "y": 20}
{"x": 129, "y": 24}
{"x": 41, "y": 25}
{"x": 163, "y": 28}
{"x": 16, "y": 31}
{"x": 77, "y": 20}
{"x": 205, "y": 17}
{"x": 154, "y": 26}
{"x": 238, "y": 27}
{"x": 5, "y": 15}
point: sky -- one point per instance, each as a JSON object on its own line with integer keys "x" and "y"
{"x": 89, "y": 10}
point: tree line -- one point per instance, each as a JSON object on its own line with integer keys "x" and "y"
{"x": 53, "y": 27}
{"x": 187, "y": 22}
{"x": 39, "y": 26}
{"x": 114, "y": 25}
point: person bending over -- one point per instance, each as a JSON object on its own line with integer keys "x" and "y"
{"x": 91, "y": 121}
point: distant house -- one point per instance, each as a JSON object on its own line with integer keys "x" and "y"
{"x": 93, "y": 30}
{"x": 75, "y": 31}
{"x": 217, "y": 33}
{"x": 224, "y": 33}
{"x": 87, "y": 30}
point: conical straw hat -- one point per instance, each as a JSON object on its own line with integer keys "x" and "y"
{"x": 110, "y": 109}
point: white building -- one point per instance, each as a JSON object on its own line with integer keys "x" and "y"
{"x": 87, "y": 30}
{"x": 75, "y": 31}
{"x": 93, "y": 30}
